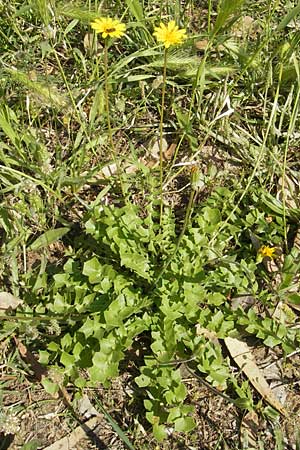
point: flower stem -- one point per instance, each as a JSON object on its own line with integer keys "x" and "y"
{"x": 161, "y": 124}
{"x": 187, "y": 217}
{"x": 111, "y": 142}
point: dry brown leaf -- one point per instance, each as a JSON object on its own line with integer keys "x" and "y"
{"x": 287, "y": 191}
{"x": 40, "y": 371}
{"x": 153, "y": 152}
{"x": 273, "y": 373}
{"x": 154, "y": 148}
{"x": 271, "y": 265}
{"x": 90, "y": 43}
{"x": 157, "y": 82}
{"x": 294, "y": 306}
{"x": 168, "y": 154}
{"x": 32, "y": 75}
{"x": 256, "y": 242}
{"x": 244, "y": 358}
{"x": 245, "y": 26}
{"x": 9, "y": 301}
{"x": 208, "y": 334}
{"x": 244, "y": 301}
{"x": 85, "y": 408}
{"x": 111, "y": 169}
{"x": 69, "y": 442}
{"x": 150, "y": 160}
{"x": 297, "y": 239}
{"x": 201, "y": 45}
{"x": 30, "y": 359}
{"x": 284, "y": 314}
{"x": 108, "y": 171}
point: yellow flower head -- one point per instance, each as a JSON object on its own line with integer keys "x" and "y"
{"x": 267, "y": 252}
{"x": 169, "y": 34}
{"x": 108, "y": 27}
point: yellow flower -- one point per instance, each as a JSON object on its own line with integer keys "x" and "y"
{"x": 108, "y": 27}
{"x": 267, "y": 252}
{"x": 169, "y": 34}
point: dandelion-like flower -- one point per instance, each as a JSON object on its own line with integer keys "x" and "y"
{"x": 267, "y": 252}
{"x": 169, "y": 34}
{"x": 108, "y": 27}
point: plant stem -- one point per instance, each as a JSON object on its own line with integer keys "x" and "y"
{"x": 75, "y": 107}
{"x": 188, "y": 213}
{"x": 112, "y": 145}
{"x": 161, "y": 124}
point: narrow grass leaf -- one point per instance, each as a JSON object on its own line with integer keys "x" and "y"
{"x": 21, "y": 176}
{"x": 115, "y": 426}
{"x": 7, "y": 127}
{"x": 4, "y": 219}
{"x": 289, "y": 17}
{"x": 98, "y": 106}
{"x": 42, "y": 7}
{"x": 141, "y": 77}
{"x": 136, "y": 9}
{"x": 48, "y": 238}
{"x": 139, "y": 54}
{"x": 75, "y": 12}
{"x": 71, "y": 26}
{"x": 226, "y": 10}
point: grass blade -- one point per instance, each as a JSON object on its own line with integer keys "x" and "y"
{"x": 226, "y": 10}
{"x": 48, "y": 238}
{"x": 114, "y": 425}
{"x": 290, "y": 16}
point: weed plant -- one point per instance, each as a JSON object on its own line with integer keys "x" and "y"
{"x": 110, "y": 250}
